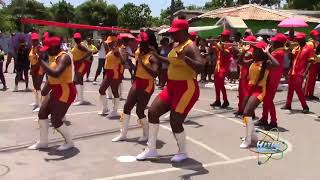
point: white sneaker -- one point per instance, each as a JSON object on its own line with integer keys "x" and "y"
{"x": 178, "y": 158}
{"x": 246, "y": 144}
{"x": 103, "y": 112}
{"x": 148, "y": 154}
{"x": 143, "y": 139}
{"x": 36, "y": 109}
{"x": 113, "y": 114}
{"x": 66, "y": 146}
{"x": 32, "y": 104}
{"x": 78, "y": 103}
{"x": 37, "y": 146}
{"x": 119, "y": 138}
{"x": 94, "y": 82}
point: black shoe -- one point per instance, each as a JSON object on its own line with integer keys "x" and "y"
{"x": 285, "y": 107}
{"x": 225, "y": 104}
{"x": 305, "y": 110}
{"x": 312, "y": 97}
{"x": 216, "y": 104}
{"x": 261, "y": 122}
{"x": 271, "y": 126}
{"x": 238, "y": 113}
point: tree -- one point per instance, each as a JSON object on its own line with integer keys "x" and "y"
{"x": 266, "y": 2}
{"x": 214, "y": 4}
{"x": 135, "y": 17}
{"x": 95, "y": 12}
{"x": 165, "y": 13}
{"x": 194, "y": 7}
{"x": 302, "y": 4}
{"x": 62, "y": 11}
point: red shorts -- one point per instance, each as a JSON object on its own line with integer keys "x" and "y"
{"x": 65, "y": 93}
{"x": 37, "y": 71}
{"x": 257, "y": 91}
{"x": 180, "y": 95}
{"x": 82, "y": 67}
{"x": 146, "y": 85}
{"x": 113, "y": 74}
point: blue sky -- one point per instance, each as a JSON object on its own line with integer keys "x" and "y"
{"x": 155, "y": 5}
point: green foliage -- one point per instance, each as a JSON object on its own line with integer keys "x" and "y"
{"x": 165, "y": 13}
{"x": 94, "y": 12}
{"x": 62, "y": 11}
{"x": 303, "y": 4}
{"x": 135, "y": 17}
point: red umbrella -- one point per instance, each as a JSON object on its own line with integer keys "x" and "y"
{"x": 293, "y": 23}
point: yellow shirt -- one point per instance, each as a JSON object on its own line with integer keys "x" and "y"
{"x": 77, "y": 53}
{"x": 65, "y": 77}
{"x": 141, "y": 71}
{"x": 254, "y": 73}
{"x": 33, "y": 56}
{"x": 178, "y": 69}
{"x": 112, "y": 61}
{"x": 93, "y": 48}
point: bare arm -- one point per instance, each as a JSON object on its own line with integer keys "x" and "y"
{"x": 64, "y": 62}
{"x": 193, "y": 58}
{"x": 273, "y": 61}
{"x": 153, "y": 71}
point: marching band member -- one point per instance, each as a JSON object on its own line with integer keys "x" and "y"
{"x": 273, "y": 82}
{"x": 37, "y": 72}
{"x": 258, "y": 75}
{"x": 245, "y": 60}
{"x": 222, "y": 69}
{"x": 62, "y": 94}
{"x": 180, "y": 94}
{"x": 302, "y": 56}
{"x": 313, "y": 71}
{"x": 113, "y": 77}
{"x": 81, "y": 55}
{"x": 141, "y": 90}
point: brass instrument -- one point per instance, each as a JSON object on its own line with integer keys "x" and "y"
{"x": 290, "y": 45}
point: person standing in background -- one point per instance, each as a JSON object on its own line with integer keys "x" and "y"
{"x": 101, "y": 58}
{"x": 164, "y": 51}
{"x": 94, "y": 50}
{"x": 3, "y": 80}
{"x": 22, "y": 64}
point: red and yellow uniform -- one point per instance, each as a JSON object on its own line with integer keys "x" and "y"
{"x": 300, "y": 61}
{"x": 255, "y": 87}
{"x": 313, "y": 71}
{"x": 33, "y": 58}
{"x": 113, "y": 66}
{"x": 222, "y": 69}
{"x": 275, "y": 75}
{"x": 81, "y": 67}
{"x": 247, "y": 55}
{"x": 144, "y": 80}
{"x": 62, "y": 87}
{"x": 182, "y": 90}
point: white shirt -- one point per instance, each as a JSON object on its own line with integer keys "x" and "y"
{"x": 102, "y": 52}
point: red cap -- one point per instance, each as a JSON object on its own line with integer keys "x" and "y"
{"x": 250, "y": 38}
{"x": 34, "y": 36}
{"x": 279, "y": 38}
{"x": 77, "y": 35}
{"x": 143, "y": 36}
{"x": 301, "y": 36}
{"x": 178, "y": 25}
{"x": 50, "y": 42}
{"x": 314, "y": 33}
{"x": 226, "y": 33}
{"x": 261, "y": 45}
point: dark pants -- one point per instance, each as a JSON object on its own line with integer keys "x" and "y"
{"x": 3, "y": 80}
{"x": 100, "y": 67}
